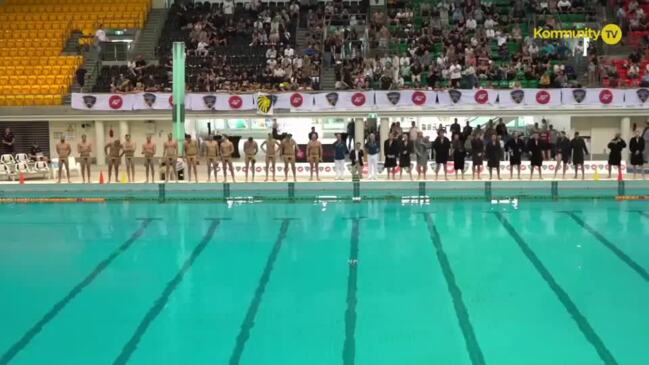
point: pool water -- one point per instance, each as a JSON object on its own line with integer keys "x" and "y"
{"x": 372, "y": 283}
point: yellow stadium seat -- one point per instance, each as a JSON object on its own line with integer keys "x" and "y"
{"x": 29, "y": 100}
{"x": 3, "y": 100}
{"x": 39, "y": 100}
{"x": 11, "y": 99}
{"x": 19, "y": 100}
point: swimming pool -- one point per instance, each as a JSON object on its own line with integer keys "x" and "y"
{"x": 376, "y": 282}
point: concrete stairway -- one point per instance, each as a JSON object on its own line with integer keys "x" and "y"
{"x": 72, "y": 45}
{"x": 92, "y": 66}
{"x": 328, "y": 79}
{"x": 147, "y": 41}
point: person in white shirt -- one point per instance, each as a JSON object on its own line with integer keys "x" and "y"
{"x": 289, "y": 52}
{"x": 501, "y": 38}
{"x": 489, "y": 23}
{"x": 201, "y": 49}
{"x": 564, "y": 5}
{"x": 228, "y": 8}
{"x": 100, "y": 36}
{"x": 404, "y": 60}
{"x": 455, "y": 72}
{"x": 271, "y": 53}
{"x": 413, "y": 131}
{"x": 490, "y": 33}
{"x": 471, "y": 24}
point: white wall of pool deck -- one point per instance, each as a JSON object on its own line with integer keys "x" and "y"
{"x": 599, "y": 129}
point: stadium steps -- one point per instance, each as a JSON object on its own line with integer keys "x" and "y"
{"x": 72, "y": 45}
{"x": 301, "y": 40}
{"x": 328, "y": 80}
{"x": 148, "y": 39}
{"x": 91, "y": 64}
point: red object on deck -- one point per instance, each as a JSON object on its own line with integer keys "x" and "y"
{"x": 21, "y": 178}
{"x": 619, "y": 173}
{"x": 101, "y": 177}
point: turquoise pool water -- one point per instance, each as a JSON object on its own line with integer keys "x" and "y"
{"x": 307, "y": 283}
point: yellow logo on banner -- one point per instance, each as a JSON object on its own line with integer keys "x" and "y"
{"x": 611, "y": 34}
{"x": 264, "y": 103}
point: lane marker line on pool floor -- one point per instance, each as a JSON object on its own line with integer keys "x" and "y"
{"x": 461, "y": 312}
{"x": 349, "y": 346}
{"x": 58, "y": 307}
{"x": 611, "y": 246}
{"x": 641, "y": 212}
{"x": 249, "y": 320}
{"x": 581, "y": 320}
{"x": 130, "y": 346}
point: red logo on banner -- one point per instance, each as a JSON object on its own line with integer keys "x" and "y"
{"x": 481, "y": 96}
{"x": 606, "y": 96}
{"x": 358, "y": 99}
{"x": 297, "y": 100}
{"x": 418, "y": 98}
{"x": 115, "y": 102}
{"x": 171, "y": 100}
{"x": 543, "y": 97}
{"x": 235, "y": 102}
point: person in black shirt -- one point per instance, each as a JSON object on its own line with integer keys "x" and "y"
{"x": 312, "y": 133}
{"x": 637, "y": 146}
{"x": 459, "y": 154}
{"x": 578, "y": 147}
{"x": 466, "y": 132}
{"x": 563, "y": 154}
{"x": 441, "y": 147}
{"x": 456, "y": 128}
{"x": 8, "y": 141}
{"x": 406, "y": 149}
{"x": 535, "y": 148}
{"x": 515, "y": 147}
{"x": 493, "y": 152}
{"x": 477, "y": 155}
{"x": 501, "y": 129}
{"x": 391, "y": 148}
{"x": 616, "y": 146}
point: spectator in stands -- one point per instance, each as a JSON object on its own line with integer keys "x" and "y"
{"x": 100, "y": 37}
{"x": 8, "y": 142}
{"x": 35, "y": 153}
{"x": 564, "y": 6}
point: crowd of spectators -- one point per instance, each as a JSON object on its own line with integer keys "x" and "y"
{"x": 237, "y": 47}
{"x": 462, "y": 44}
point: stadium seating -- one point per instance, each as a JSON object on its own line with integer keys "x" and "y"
{"x": 33, "y": 34}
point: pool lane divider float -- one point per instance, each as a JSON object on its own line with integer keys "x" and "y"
{"x": 51, "y": 200}
{"x": 631, "y": 197}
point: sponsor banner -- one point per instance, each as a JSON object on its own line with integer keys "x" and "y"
{"x": 592, "y": 97}
{"x": 221, "y": 102}
{"x": 152, "y": 101}
{"x": 467, "y": 97}
{"x": 637, "y": 97}
{"x": 102, "y": 101}
{"x": 534, "y": 97}
{"x": 294, "y": 101}
{"x": 405, "y": 98}
{"x": 344, "y": 100}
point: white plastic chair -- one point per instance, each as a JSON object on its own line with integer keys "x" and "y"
{"x": 22, "y": 157}
{"x": 23, "y": 167}
{"x": 41, "y": 166}
{"x": 6, "y": 172}
{"x": 7, "y": 159}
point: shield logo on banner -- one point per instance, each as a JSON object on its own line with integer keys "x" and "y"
{"x": 579, "y": 95}
{"x": 358, "y": 99}
{"x": 455, "y": 95}
{"x": 332, "y": 98}
{"x": 518, "y": 96}
{"x": 394, "y": 97}
{"x": 296, "y": 100}
{"x": 210, "y": 101}
{"x": 89, "y": 100}
{"x": 149, "y": 99}
{"x": 481, "y": 97}
{"x": 606, "y": 96}
{"x": 643, "y": 94}
{"x": 418, "y": 98}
